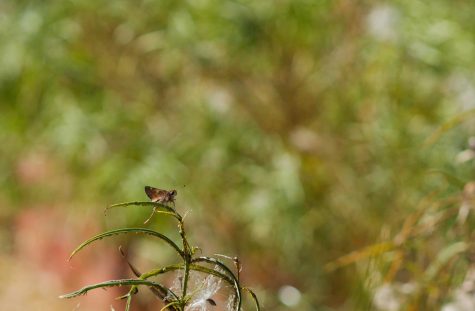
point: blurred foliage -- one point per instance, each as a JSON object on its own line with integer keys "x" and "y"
{"x": 302, "y": 125}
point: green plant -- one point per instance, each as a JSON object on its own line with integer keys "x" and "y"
{"x": 185, "y": 296}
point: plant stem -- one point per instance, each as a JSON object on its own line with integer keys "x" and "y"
{"x": 187, "y": 261}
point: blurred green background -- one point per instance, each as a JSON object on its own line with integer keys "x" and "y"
{"x": 326, "y": 143}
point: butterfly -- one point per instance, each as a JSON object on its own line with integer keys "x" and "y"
{"x": 159, "y": 196}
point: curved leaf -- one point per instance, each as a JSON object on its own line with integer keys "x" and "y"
{"x": 254, "y": 297}
{"x": 114, "y": 283}
{"x": 155, "y": 272}
{"x": 213, "y": 272}
{"x": 194, "y": 267}
{"x": 127, "y": 230}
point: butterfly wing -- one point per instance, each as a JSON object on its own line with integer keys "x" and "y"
{"x": 156, "y": 195}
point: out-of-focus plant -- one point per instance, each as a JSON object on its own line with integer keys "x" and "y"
{"x": 190, "y": 291}
{"x": 429, "y": 261}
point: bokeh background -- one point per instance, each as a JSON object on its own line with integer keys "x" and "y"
{"x": 326, "y": 143}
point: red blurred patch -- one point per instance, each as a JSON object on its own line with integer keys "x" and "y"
{"x": 43, "y": 241}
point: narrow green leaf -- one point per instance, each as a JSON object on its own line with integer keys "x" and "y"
{"x": 254, "y": 297}
{"x": 155, "y": 272}
{"x": 114, "y": 283}
{"x": 213, "y": 272}
{"x": 194, "y": 267}
{"x": 127, "y": 230}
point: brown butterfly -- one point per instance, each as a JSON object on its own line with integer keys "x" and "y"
{"x": 160, "y": 196}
